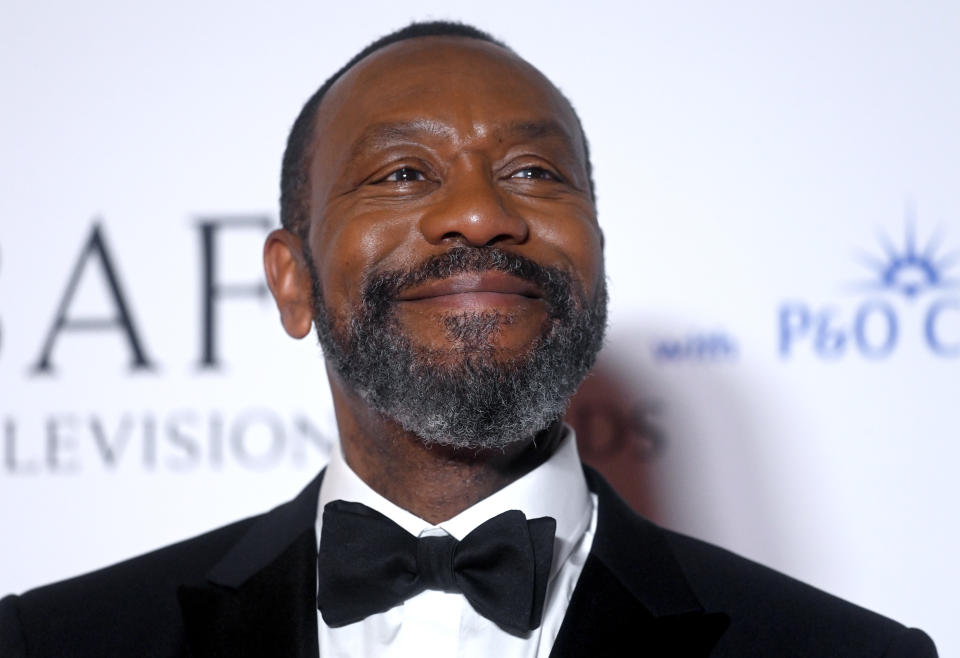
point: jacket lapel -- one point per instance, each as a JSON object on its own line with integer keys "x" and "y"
{"x": 632, "y": 593}
{"x": 260, "y": 598}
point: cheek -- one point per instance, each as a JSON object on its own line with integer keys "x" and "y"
{"x": 347, "y": 248}
{"x": 576, "y": 238}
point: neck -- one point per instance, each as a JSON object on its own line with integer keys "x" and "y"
{"x": 433, "y": 482}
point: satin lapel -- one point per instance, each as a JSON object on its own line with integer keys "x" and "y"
{"x": 632, "y": 593}
{"x": 273, "y": 613}
{"x": 260, "y": 599}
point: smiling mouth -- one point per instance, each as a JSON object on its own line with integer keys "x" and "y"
{"x": 474, "y": 289}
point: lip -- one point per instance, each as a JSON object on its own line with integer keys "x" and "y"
{"x": 480, "y": 284}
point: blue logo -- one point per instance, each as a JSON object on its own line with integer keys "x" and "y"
{"x": 874, "y": 327}
{"x": 907, "y": 270}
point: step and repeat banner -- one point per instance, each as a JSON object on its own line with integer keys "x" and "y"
{"x": 777, "y": 183}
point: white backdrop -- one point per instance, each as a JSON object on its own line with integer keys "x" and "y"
{"x": 778, "y": 187}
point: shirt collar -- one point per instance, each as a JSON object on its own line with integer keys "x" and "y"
{"x": 555, "y": 488}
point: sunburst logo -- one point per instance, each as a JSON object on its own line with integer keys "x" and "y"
{"x": 874, "y": 326}
{"x": 908, "y": 269}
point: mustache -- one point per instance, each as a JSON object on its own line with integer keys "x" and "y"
{"x": 556, "y": 284}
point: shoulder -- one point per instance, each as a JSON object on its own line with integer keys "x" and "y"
{"x": 115, "y": 610}
{"x": 767, "y": 612}
{"x": 772, "y": 609}
{"x": 133, "y": 608}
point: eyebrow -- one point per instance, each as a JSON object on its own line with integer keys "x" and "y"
{"x": 381, "y": 135}
{"x": 539, "y": 129}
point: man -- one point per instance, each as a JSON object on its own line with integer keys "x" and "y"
{"x": 439, "y": 231}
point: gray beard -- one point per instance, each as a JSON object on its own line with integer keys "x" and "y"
{"x": 470, "y": 397}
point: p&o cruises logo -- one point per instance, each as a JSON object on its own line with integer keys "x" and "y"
{"x": 911, "y": 292}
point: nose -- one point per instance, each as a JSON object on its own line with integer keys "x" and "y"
{"x": 470, "y": 209}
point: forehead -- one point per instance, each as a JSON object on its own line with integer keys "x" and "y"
{"x": 461, "y": 85}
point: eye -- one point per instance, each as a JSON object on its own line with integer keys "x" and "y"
{"x": 404, "y": 175}
{"x": 535, "y": 173}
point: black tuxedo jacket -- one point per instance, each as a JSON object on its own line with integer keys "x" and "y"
{"x": 248, "y": 589}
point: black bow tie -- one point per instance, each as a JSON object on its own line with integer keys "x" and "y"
{"x": 368, "y": 564}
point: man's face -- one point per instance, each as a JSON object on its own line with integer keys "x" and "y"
{"x": 453, "y": 243}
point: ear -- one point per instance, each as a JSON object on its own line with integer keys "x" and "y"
{"x": 289, "y": 281}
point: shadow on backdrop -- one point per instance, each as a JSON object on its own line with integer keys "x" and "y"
{"x": 617, "y": 435}
{"x": 686, "y": 444}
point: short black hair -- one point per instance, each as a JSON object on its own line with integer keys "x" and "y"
{"x": 294, "y": 173}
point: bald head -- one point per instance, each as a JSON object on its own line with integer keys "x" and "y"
{"x": 302, "y": 141}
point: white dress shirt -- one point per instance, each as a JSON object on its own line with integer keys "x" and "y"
{"x": 435, "y": 623}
